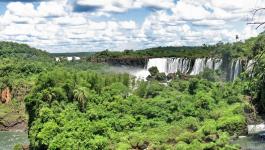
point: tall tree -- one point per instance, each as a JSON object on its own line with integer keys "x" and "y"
{"x": 81, "y": 95}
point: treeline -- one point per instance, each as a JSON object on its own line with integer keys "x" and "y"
{"x": 12, "y": 49}
{"x": 233, "y": 50}
{"x": 77, "y": 54}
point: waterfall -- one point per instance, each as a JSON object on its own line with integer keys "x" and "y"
{"x": 210, "y": 63}
{"x": 173, "y": 65}
{"x": 250, "y": 65}
{"x": 237, "y": 70}
{"x": 217, "y": 63}
{"x": 160, "y": 63}
{"x": 185, "y": 66}
{"x": 198, "y": 66}
{"x": 178, "y": 65}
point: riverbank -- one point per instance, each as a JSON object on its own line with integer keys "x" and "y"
{"x": 13, "y": 117}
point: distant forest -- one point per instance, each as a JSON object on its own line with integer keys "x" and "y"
{"x": 78, "y": 54}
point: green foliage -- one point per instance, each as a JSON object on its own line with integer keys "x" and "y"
{"x": 108, "y": 114}
{"x": 18, "y": 147}
{"x": 71, "y": 106}
{"x": 11, "y": 49}
{"x": 156, "y": 75}
{"x": 220, "y": 50}
{"x": 233, "y": 124}
{"x": 257, "y": 79}
{"x": 210, "y": 75}
{"x": 153, "y": 71}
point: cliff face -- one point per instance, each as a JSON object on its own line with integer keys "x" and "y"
{"x": 129, "y": 61}
{"x": 136, "y": 62}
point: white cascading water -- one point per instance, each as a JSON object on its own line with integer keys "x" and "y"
{"x": 160, "y": 63}
{"x": 235, "y": 69}
{"x": 173, "y": 64}
{"x": 183, "y": 65}
{"x": 177, "y": 65}
{"x": 198, "y": 66}
{"x": 217, "y": 63}
{"x": 210, "y": 63}
{"x": 250, "y": 65}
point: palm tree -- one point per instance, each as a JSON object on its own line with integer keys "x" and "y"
{"x": 81, "y": 95}
{"x": 48, "y": 96}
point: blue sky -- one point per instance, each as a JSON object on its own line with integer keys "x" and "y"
{"x": 89, "y": 25}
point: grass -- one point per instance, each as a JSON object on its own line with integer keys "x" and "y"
{"x": 5, "y": 109}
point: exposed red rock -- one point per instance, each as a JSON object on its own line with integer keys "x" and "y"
{"x": 6, "y": 95}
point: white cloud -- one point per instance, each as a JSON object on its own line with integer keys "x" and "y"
{"x": 55, "y": 26}
{"x": 159, "y": 4}
{"x": 52, "y": 9}
{"x": 22, "y": 10}
{"x": 185, "y": 10}
{"x": 122, "y": 5}
{"x": 107, "y": 6}
{"x": 71, "y": 20}
{"x": 128, "y": 24}
{"x": 209, "y": 22}
{"x": 234, "y": 5}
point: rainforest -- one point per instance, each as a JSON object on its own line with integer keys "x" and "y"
{"x": 132, "y": 75}
{"x": 80, "y": 104}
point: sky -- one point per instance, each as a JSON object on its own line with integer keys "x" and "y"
{"x": 94, "y": 25}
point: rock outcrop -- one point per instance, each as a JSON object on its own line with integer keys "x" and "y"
{"x": 12, "y": 115}
{"x": 6, "y": 95}
{"x": 17, "y": 125}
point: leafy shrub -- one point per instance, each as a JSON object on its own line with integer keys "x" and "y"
{"x": 232, "y": 124}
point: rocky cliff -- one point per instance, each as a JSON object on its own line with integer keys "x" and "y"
{"x": 129, "y": 61}
{"x": 12, "y": 109}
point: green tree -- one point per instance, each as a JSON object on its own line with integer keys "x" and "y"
{"x": 81, "y": 96}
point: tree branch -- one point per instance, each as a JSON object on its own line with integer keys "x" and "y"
{"x": 254, "y": 13}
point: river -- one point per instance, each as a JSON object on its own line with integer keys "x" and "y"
{"x": 250, "y": 143}
{"x": 9, "y": 139}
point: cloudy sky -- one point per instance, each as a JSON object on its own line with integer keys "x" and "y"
{"x": 92, "y": 25}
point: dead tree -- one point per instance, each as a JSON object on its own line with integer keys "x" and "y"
{"x": 253, "y": 21}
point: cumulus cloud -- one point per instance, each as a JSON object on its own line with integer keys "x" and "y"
{"x": 158, "y": 4}
{"x": 23, "y": 0}
{"x": 21, "y": 10}
{"x": 120, "y": 6}
{"x": 103, "y": 5}
{"x": 45, "y": 9}
{"x": 89, "y": 25}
